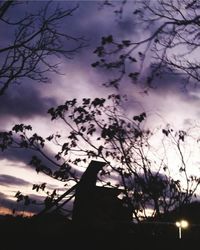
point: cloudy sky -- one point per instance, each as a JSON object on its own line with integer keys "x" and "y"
{"x": 29, "y": 101}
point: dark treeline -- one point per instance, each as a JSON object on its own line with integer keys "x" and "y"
{"x": 53, "y": 231}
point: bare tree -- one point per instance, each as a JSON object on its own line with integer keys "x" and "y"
{"x": 169, "y": 44}
{"x": 38, "y": 39}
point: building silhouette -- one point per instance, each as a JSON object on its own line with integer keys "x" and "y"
{"x": 96, "y": 206}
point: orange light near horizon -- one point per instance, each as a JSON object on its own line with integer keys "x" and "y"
{"x": 8, "y": 211}
{"x": 5, "y": 211}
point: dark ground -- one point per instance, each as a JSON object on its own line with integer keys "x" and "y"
{"x": 54, "y": 232}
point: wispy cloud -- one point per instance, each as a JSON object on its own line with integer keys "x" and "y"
{"x": 8, "y": 180}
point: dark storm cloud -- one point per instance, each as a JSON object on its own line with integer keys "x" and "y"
{"x": 171, "y": 84}
{"x": 168, "y": 83}
{"x": 8, "y": 180}
{"x": 25, "y": 156}
{"x": 92, "y": 22}
{"x": 127, "y": 26}
{"x": 164, "y": 85}
{"x": 2, "y": 196}
{"x": 7, "y": 203}
{"x": 24, "y": 102}
{"x": 17, "y": 155}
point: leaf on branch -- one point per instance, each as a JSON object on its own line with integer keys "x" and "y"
{"x": 165, "y": 132}
{"x": 141, "y": 55}
{"x": 58, "y": 156}
{"x": 86, "y": 101}
{"x": 140, "y": 117}
{"x": 182, "y": 135}
{"x": 49, "y": 138}
{"x": 98, "y": 102}
{"x": 114, "y": 83}
{"x": 99, "y": 51}
{"x": 38, "y": 187}
{"x": 91, "y": 129}
{"x": 65, "y": 148}
{"x": 36, "y": 139}
{"x": 137, "y": 11}
{"x": 134, "y": 76}
{"x": 19, "y": 196}
{"x": 61, "y": 174}
{"x": 51, "y": 111}
{"x": 132, "y": 59}
{"x": 100, "y": 150}
{"x": 91, "y": 153}
{"x": 95, "y": 64}
{"x": 18, "y": 128}
{"x": 127, "y": 43}
{"x": 108, "y": 39}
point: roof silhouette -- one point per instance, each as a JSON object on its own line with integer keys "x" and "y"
{"x": 96, "y": 205}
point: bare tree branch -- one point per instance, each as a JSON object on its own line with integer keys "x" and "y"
{"x": 37, "y": 42}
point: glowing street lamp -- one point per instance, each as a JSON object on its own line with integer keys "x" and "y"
{"x": 181, "y": 224}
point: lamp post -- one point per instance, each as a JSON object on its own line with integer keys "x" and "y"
{"x": 181, "y": 224}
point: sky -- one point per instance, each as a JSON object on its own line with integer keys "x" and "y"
{"x": 28, "y": 102}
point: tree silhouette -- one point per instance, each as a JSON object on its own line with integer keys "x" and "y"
{"x": 169, "y": 45}
{"x": 37, "y": 38}
{"x": 97, "y": 129}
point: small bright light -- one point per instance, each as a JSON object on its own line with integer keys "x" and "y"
{"x": 182, "y": 224}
